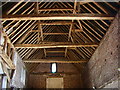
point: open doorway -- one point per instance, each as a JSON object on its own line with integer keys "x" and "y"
{"x": 54, "y": 83}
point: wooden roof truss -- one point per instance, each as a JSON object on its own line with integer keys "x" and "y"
{"x": 72, "y": 30}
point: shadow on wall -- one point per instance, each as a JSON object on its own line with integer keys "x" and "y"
{"x": 87, "y": 83}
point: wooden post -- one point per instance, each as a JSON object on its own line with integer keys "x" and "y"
{"x": 5, "y": 44}
{"x": 71, "y": 27}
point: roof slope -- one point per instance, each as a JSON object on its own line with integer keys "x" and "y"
{"x": 57, "y": 32}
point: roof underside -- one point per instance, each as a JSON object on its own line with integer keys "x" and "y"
{"x": 57, "y": 31}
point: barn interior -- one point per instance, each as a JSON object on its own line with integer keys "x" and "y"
{"x": 56, "y": 44}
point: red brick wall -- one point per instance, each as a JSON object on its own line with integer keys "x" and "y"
{"x": 103, "y": 65}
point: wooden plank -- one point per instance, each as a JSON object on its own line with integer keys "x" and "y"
{"x": 55, "y": 9}
{"x": 54, "y": 61}
{"x": 54, "y": 45}
{"x": 59, "y": 17}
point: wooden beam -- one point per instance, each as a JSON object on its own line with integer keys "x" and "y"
{"x": 54, "y": 61}
{"x": 70, "y": 31}
{"x": 56, "y": 74}
{"x": 46, "y": 42}
{"x": 59, "y": 17}
{"x": 45, "y": 53}
{"x": 57, "y": 23}
{"x": 53, "y": 45}
{"x": 55, "y": 33}
{"x": 71, "y": 27}
{"x": 76, "y": 30}
{"x": 56, "y": 9}
{"x": 66, "y": 49}
{"x": 81, "y": 3}
{"x": 55, "y": 51}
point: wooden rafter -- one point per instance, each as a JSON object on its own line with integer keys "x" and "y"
{"x": 14, "y": 7}
{"x": 78, "y": 37}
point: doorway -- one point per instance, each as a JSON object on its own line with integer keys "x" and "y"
{"x": 54, "y": 83}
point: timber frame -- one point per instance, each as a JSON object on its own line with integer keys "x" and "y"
{"x": 38, "y": 30}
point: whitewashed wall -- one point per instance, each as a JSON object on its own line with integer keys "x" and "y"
{"x": 18, "y": 80}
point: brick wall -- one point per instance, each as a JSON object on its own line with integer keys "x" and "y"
{"x": 70, "y": 74}
{"x": 39, "y": 81}
{"x": 102, "y": 68}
